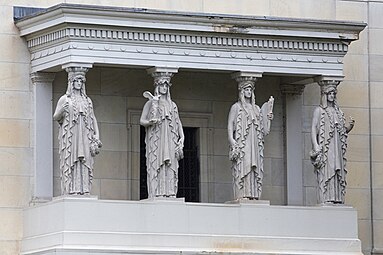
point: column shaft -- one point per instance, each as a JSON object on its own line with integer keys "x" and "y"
{"x": 43, "y": 129}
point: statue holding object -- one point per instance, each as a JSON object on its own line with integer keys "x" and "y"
{"x": 79, "y": 140}
{"x": 164, "y": 139}
{"x": 247, "y": 127}
{"x": 329, "y": 141}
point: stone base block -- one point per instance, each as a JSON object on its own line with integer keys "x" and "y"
{"x": 69, "y": 226}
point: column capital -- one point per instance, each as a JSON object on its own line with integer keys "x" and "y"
{"x": 77, "y": 70}
{"x": 162, "y": 74}
{"x": 77, "y": 65}
{"x": 246, "y": 76}
{"x": 42, "y": 77}
{"x": 165, "y": 70}
{"x": 329, "y": 80}
{"x": 292, "y": 89}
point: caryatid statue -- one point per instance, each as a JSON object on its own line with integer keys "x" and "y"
{"x": 247, "y": 127}
{"x": 164, "y": 138}
{"x": 329, "y": 144}
{"x": 79, "y": 140}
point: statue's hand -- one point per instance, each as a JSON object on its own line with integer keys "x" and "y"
{"x": 179, "y": 151}
{"x": 153, "y": 121}
{"x": 351, "y": 122}
{"x": 65, "y": 107}
{"x": 317, "y": 148}
{"x": 234, "y": 152}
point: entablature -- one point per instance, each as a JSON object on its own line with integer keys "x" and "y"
{"x": 98, "y": 35}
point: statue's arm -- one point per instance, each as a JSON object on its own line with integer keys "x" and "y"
{"x": 314, "y": 129}
{"x": 267, "y": 116}
{"x": 144, "y": 121}
{"x": 351, "y": 124}
{"x": 181, "y": 135}
{"x": 61, "y": 108}
{"x": 95, "y": 124}
{"x": 230, "y": 125}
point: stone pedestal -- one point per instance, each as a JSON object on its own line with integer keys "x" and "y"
{"x": 89, "y": 226}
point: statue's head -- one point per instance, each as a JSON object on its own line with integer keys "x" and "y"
{"x": 246, "y": 90}
{"x": 162, "y": 84}
{"x": 328, "y": 92}
{"x": 326, "y": 89}
{"x": 76, "y": 79}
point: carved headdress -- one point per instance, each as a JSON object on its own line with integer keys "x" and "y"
{"x": 162, "y": 77}
{"x": 242, "y": 84}
{"x": 325, "y": 88}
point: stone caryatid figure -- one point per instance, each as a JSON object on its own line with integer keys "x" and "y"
{"x": 329, "y": 143}
{"x": 78, "y": 136}
{"x": 247, "y": 127}
{"x": 164, "y": 138}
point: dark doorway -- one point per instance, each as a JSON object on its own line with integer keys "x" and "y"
{"x": 188, "y": 172}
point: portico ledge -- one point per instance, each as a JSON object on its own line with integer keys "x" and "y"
{"x": 99, "y": 35}
{"x": 89, "y": 226}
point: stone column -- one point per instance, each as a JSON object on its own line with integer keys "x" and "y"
{"x": 292, "y": 96}
{"x": 43, "y": 129}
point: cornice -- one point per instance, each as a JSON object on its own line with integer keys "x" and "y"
{"x": 98, "y": 35}
{"x": 206, "y": 22}
{"x": 244, "y": 42}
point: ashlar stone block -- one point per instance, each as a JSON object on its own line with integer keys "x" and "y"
{"x": 243, "y": 7}
{"x": 111, "y": 165}
{"x": 378, "y": 234}
{"x": 14, "y": 191}
{"x": 375, "y": 14}
{"x": 358, "y": 148}
{"x": 358, "y": 174}
{"x": 377, "y": 173}
{"x": 318, "y": 9}
{"x": 359, "y": 199}
{"x": 9, "y": 247}
{"x": 222, "y": 170}
{"x": 14, "y": 76}
{"x": 15, "y": 104}
{"x": 110, "y": 109}
{"x": 15, "y": 133}
{"x": 361, "y": 117}
{"x": 11, "y": 164}
{"x": 19, "y": 52}
{"x": 378, "y": 204}
{"x": 114, "y": 136}
{"x": 11, "y": 224}
{"x": 376, "y": 36}
{"x": 376, "y": 68}
{"x": 364, "y": 234}
{"x": 221, "y": 144}
{"x": 352, "y": 10}
{"x": 376, "y": 90}
{"x": 352, "y": 94}
{"x": 114, "y": 189}
{"x": 377, "y": 148}
{"x": 356, "y": 67}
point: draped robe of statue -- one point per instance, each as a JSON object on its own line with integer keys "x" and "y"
{"x": 162, "y": 149}
{"x": 330, "y": 164}
{"x": 78, "y": 142}
{"x": 251, "y": 125}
